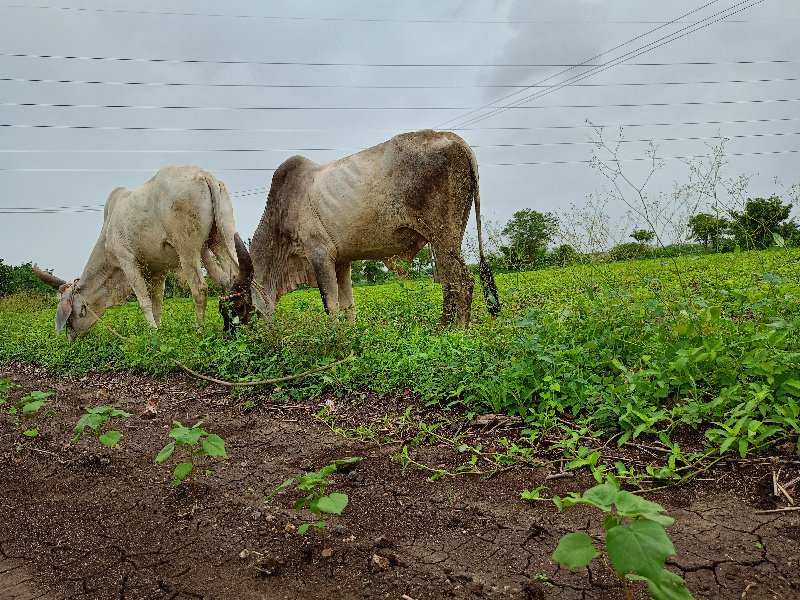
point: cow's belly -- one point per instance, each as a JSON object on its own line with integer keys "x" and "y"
{"x": 381, "y": 243}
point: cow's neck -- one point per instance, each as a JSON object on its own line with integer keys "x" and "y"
{"x": 102, "y": 283}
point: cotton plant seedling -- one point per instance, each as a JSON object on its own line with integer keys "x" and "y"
{"x": 98, "y": 421}
{"x": 195, "y": 443}
{"x": 313, "y": 486}
{"x": 27, "y": 410}
{"x": 636, "y": 541}
{"x": 6, "y": 385}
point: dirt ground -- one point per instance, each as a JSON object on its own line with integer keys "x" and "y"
{"x": 78, "y": 521}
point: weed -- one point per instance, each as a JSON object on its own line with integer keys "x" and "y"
{"x": 196, "y": 444}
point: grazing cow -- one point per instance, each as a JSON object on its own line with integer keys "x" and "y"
{"x": 180, "y": 218}
{"x": 383, "y": 203}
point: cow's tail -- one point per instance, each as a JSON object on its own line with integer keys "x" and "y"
{"x": 225, "y": 225}
{"x": 488, "y": 285}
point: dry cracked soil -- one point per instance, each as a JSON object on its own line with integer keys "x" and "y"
{"x": 78, "y": 521}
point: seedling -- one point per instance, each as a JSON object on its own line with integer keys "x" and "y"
{"x": 196, "y": 443}
{"x": 31, "y": 408}
{"x": 98, "y": 421}
{"x": 314, "y": 485}
{"x": 636, "y": 541}
{"x": 6, "y": 385}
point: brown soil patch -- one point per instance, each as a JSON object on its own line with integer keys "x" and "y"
{"x": 80, "y": 522}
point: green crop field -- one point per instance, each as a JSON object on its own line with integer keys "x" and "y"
{"x": 710, "y": 343}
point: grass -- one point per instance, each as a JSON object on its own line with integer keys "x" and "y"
{"x": 630, "y": 348}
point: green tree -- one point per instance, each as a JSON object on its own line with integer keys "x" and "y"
{"x": 643, "y": 236}
{"x": 529, "y": 231}
{"x": 708, "y": 229}
{"x": 761, "y": 218}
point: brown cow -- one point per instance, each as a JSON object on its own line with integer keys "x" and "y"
{"x": 383, "y": 203}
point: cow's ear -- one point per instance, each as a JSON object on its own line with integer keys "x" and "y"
{"x": 64, "y": 310}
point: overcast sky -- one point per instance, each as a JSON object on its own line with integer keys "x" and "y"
{"x": 356, "y": 73}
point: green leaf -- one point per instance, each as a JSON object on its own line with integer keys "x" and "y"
{"x": 281, "y": 487}
{"x": 303, "y": 529}
{"x": 214, "y": 445}
{"x": 90, "y": 420}
{"x": 575, "y": 550}
{"x": 110, "y": 438}
{"x": 184, "y": 435}
{"x": 182, "y": 470}
{"x": 631, "y": 505}
{"x": 30, "y": 433}
{"x": 333, "y": 503}
{"x": 641, "y": 547}
{"x": 668, "y": 586}
{"x": 601, "y": 496}
{"x": 165, "y": 453}
{"x": 610, "y": 520}
{"x": 34, "y": 406}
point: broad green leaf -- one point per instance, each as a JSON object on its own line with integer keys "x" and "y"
{"x": 32, "y": 407}
{"x": 348, "y": 461}
{"x": 601, "y": 496}
{"x": 641, "y": 547}
{"x": 37, "y": 395}
{"x": 333, "y": 503}
{"x": 610, "y": 520}
{"x": 184, "y": 435}
{"x": 214, "y": 445}
{"x": 575, "y": 550}
{"x": 30, "y": 433}
{"x": 668, "y": 586}
{"x": 165, "y": 453}
{"x": 303, "y": 529}
{"x": 630, "y": 505}
{"x": 90, "y": 420}
{"x": 110, "y": 438}
{"x": 182, "y": 470}
{"x": 119, "y": 413}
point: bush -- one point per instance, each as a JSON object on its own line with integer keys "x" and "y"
{"x": 14, "y": 280}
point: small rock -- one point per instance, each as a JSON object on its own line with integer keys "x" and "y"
{"x": 327, "y": 552}
{"x": 244, "y": 554}
{"x": 378, "y": 563}
{"x": 256, "y": 515}
{"x": 289, "y": 528}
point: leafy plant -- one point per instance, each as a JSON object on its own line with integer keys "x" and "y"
{"x": 29, "y": 407}
{"x": 636, "y": 541}
{"x": 6, "y": 385}
{"x": 98, "y": 420}
{"x": 195, "y": 443}
{"x": 313, "y": 486}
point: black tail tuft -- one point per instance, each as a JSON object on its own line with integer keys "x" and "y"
{"x": 489, "y": 288}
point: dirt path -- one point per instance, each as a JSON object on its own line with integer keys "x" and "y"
{"x": 80, "y": 522}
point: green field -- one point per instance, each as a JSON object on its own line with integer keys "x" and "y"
{"x": 632, "y": 348}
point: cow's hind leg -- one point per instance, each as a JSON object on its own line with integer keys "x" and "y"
{"x": 193, "y": 276}
{"x": 457, "y": 285}
{"x": 156, "y": 287}
{"x": 345, "y": 283}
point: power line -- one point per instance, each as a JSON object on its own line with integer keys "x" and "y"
{"x": 394, "y": 130}
{"x": 386, "y": 87}
{"x": 388, "y": 65}
{"x": 504, "y": 164}
{"x": 320, "y": 149}
{"x": 588, "y": 60}
{"x": 624, "y": 58}
{"x": 377, "y": 108}
{"x": 363, "y": 19}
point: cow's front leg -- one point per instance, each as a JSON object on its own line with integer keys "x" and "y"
{"x": 325, "y": 271}
{"x": 345, "y": 282}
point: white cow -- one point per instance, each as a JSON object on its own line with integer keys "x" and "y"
{"x": 178, "y": 220}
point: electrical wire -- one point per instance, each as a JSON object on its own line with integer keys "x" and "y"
{"x": 362, "y": 19}
{"x": 616, "y": 61}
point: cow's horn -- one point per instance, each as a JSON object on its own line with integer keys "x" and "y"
{"x": 245, "y": 274}
{"x": 48, "y": 278}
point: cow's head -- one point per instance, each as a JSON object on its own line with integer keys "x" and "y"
{"x": 74, "y": 313}
{"x": 236, "y": 306}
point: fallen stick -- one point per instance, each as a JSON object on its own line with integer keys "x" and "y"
{"x": 777, "y": 510}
